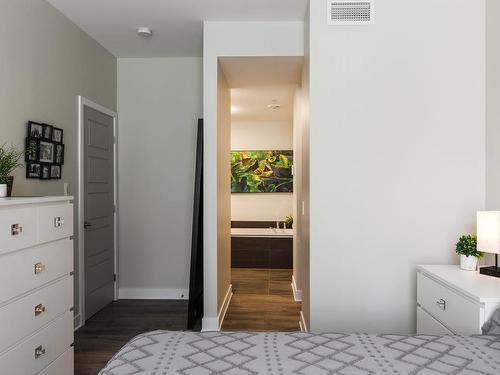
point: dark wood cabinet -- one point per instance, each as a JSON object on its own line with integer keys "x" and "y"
{"x": 261, "y": 252}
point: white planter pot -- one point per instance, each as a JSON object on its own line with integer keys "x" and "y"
{"x": 468, "y": 263}
{"x": 3, "y": 190}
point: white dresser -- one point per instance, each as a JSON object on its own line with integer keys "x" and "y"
{"x": 36, "y": 286}
{"x": 452, "y": 301}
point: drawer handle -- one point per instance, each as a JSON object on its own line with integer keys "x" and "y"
{"x": 441, "y": 304}
{"x": 39, "y": 268}
{"x": 39, "y": 309}
{"x": 58, "y": 222}
{"x": 16, "y": 229}
{"x": 39, "y": 352}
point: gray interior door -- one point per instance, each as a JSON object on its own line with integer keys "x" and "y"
{"x": 99, "y": 210}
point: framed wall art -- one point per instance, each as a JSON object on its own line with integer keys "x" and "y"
{"x": 44, "y": 151}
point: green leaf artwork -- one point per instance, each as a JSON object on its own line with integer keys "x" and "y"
{"x": 261, "y": 171}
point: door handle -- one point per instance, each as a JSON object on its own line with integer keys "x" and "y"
{"x": 86, "y": 224}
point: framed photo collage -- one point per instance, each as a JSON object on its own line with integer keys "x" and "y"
{"x": 44, "y": 151}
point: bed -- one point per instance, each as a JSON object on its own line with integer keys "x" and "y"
{"x": 235, "y": 353}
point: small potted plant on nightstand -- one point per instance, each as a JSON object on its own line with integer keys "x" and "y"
{"x": 469, "y": 255}
{"x": 9, "y": 161}
{"x": 289, "y": 222}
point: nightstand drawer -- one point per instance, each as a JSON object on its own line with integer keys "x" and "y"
{"x": 428, "y": 325}
{"x": 455, "y": 311}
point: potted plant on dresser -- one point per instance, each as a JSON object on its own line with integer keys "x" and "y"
{"x": 9, "y": 161}
{"x": 469, "y": 255}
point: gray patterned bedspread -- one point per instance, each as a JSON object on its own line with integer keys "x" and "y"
{"x": 235, "y": 353}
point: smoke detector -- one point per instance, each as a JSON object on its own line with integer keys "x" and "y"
{"x": 144, "y": 32}
{"x": 274, "y": 106}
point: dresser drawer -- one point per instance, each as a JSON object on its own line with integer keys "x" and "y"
{"x": 55, "y": 222}
{"x": 455, "y": 311}
{"x": 25, "y": 270}
{"x": 427, "y": 325}
{"x": 18, "y": 229}
{"x": 64, "y": 365}
{"x": 34, "y": 311}
{"x": 37, "y": 352}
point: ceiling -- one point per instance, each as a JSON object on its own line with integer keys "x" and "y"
{"x": 256, "y": 82}
{"x": 177, "y": 24}
{"x": 249, "y": 104}
{"x": 259, "y": 71}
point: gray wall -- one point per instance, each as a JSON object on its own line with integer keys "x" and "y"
{"x": 159, "y": 102}
{"x": 400, "y": 107}
{"x": 45, "y": 62}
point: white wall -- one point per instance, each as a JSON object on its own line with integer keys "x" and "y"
{"x": 159, "y": 102}
{"x": 230, "y": 39}
{"x": 493, "y": 105}
{"x": 397, "y": 118}
{"x": 260, "y": 135}
{"x": 45, "y": 63}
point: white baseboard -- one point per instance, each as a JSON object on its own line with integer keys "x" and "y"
{"x": 152, "y": 293}
{"x": 225, "y": 305}
{"x": 302, "y": 323}
{"x": 209, "y": 324}
{"x": 215, "y": 324}
{"x": 297, "y": 294}
{"x": 77, "y": 322}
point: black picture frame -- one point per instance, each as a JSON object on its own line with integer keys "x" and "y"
{"x": 32, "y": 148}
{"x": 55, "y": 171}
{"x": 33, "y": 170}
{"x": 47, "y": 132}
{"x": 59, "y": 154}
{"x": 35, "y": 130}
{"x": 46, "y": 152}
{"x": 57, "y": 135}
{"x": 44, "y": 171}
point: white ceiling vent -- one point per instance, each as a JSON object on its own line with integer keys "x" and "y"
{"x": 351, "y": 12}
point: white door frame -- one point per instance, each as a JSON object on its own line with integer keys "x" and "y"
{"x": 82, "y": 102}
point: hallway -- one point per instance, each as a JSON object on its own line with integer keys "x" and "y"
{"x": 262, "y": 301}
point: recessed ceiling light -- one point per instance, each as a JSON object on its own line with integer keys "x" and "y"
{"x": 274, "y": 106}
{"x": 144, "y": 32}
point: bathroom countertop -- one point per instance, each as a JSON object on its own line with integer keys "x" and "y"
{"x": 262, "y": 232}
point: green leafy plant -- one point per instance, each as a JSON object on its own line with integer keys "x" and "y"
{"x": 467, "y": 245}
{"x": 289, "y": 222}
{"x": 9, "y": 160}
{"x": 261, "y": 171}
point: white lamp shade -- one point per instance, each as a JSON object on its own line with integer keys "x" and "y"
{"x": 488, "y": 231}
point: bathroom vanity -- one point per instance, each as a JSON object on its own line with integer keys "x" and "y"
{"x": 262, "y": 248}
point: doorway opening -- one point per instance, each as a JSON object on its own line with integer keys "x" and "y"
{"x": 260, "y": 121}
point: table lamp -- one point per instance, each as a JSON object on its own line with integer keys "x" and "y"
{"x": 488, "y": 238}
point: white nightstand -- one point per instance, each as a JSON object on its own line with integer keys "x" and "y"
{"x": 451, "y": 301}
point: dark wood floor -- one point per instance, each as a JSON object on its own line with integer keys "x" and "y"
{"x": 111, "y": 328}
{"x": 262, "y": 301}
